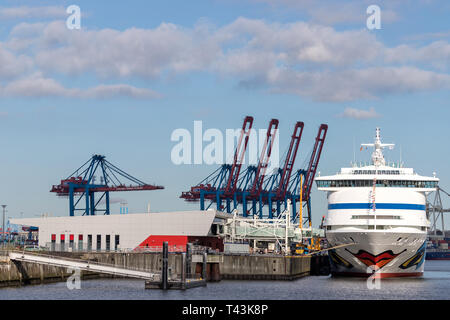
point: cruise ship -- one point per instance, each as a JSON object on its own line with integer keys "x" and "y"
{"x": 377, "y": 217}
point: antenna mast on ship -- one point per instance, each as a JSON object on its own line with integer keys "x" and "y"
{"x": 377, "y": 155}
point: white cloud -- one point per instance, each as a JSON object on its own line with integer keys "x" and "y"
{"x": 133, "y": 52}
{"x": 34, "y": 86}
{"x": 299, "y": 58}
{"x": 350, "y": 85}
{"x": 436, "y": 54}
{"x": 244, "y": 45}
{"x": 25, "y": 12}
{"x": 12, "y": 65}
{"x": 38, "y": 86}
{"x": 359, "y": 114}
{"x": 118, "y": 90}
{"x": 302, "y": 42}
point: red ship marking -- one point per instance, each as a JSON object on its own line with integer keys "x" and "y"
{"x": 379, "y": 260}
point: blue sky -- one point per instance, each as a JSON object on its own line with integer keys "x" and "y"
{"x": 137, "y": 70}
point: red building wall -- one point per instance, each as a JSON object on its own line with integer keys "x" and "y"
{"x": 178, "y": 243}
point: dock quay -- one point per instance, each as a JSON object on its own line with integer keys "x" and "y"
{"x": 82, "y": 265}
{"x": 16, "y": 272}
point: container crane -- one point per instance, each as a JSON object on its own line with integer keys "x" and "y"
{"x": 264, "y": 159}
{"x": 276, "y": 185}
{"x": 290, "y": 160}
{"x": 222, "y": 183}
{"x": 252, "y": 181}
{"x": 309, "y": 174}
{"x": 82, "y": 184}
{"x": 285, "y": 174}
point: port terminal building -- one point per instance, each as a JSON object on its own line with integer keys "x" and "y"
{"x": 140, "y": 231}
{"x": 147, "y": 231}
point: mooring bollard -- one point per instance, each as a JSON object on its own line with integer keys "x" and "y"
{"x": 204, "y": 274}
{"x": 165, "y": 266}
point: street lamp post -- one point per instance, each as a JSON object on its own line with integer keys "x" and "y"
{"x": 3, "y": 228}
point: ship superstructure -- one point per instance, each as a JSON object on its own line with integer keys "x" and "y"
{"x": 379, "y": 211}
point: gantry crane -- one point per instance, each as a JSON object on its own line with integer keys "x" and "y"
{"x": 301, "y": 185}
{"x": 250, "y": 186}
{"x": 276, "y": 186}
{"x": 82, "y": 184}
{"x": 221, "y": 184}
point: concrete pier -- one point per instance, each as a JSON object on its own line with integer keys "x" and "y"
{"x": 264, "y": 267}
{"x": 218, "y": 267}
{"x": 22, "y": 273}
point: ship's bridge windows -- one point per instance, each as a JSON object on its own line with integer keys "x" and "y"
{"x": 373, "y": 217}
{"x": 377, "y": 227}
{"x": 379, "y": 183}
{"x": 390, "y": 172}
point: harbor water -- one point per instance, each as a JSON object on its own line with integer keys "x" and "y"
{"x": 435, "y": 284}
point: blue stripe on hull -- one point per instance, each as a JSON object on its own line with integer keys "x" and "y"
{"x": 395, "y": 206}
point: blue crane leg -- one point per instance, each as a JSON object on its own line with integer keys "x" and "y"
{"x": 278, "y": 208}
{"x": 261, "y": 208}
{"x": 244, "y": 206}
{"x": 219, "y": 201}
{"x": 294, "y": 209}
{"x": 86, "y": 194}
{"x": 202, "y": 200}
{"x": 92, "y": 200}
{"x": 107, "y": 204}
{"x": 71, "y": 202}
{"x": 270, "y": 205}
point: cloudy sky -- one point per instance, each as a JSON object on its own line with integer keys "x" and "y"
{"x": 138, "y": 70}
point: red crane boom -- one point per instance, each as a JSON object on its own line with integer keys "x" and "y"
{"x": 314, "y": 161}
{"x": 239, "y": 156}
{"x": 264, "y": 159}
{"x": 290, "y": 160}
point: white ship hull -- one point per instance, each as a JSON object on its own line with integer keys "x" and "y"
{"x": 385, "y": 253}
{"x": 377, "y": 217}
{"x": 384, "y": 240}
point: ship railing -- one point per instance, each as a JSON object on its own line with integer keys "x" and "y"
{"x": 158, "y": 249}
{"x": 57, "y": 247}
{"x": 87, "y": 260}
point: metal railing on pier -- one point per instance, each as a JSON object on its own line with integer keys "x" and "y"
{"x": 85, "y": 265}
